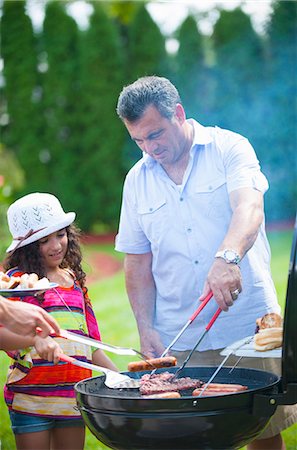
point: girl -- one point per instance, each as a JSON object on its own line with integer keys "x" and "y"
{"x": 39, "y": 395}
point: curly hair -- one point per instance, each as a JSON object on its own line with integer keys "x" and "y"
{"x": 28, "y": 258}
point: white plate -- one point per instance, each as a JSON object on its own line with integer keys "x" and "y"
{"x": 25, "y": 292}
{"x": 248, "y": 350}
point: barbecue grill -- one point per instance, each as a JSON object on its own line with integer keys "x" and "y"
{"x": 123, "y": 420}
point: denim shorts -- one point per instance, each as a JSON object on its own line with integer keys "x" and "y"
{"x": 26, "y": 423}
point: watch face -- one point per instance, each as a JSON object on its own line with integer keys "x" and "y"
{"x": 230, "y": 256}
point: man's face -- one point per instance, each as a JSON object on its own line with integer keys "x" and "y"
{"x": 161, "y": 138}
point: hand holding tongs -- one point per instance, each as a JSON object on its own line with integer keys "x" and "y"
{"x": 99, "y": 344}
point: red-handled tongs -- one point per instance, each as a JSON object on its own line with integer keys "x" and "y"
{"x": 201, "y": 337}
{"x": 191, "y": 319}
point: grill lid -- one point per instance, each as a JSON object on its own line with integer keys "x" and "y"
{"x": 289, "y": 354}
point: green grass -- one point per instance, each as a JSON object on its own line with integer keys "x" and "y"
{"x": 118, "y": 327}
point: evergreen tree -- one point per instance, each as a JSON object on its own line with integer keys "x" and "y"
{"x": 238, "y": 66}
{"x": 146, "y": 47}
{"x": 61, "y": 98}
{"x": 146, "y": 56}
{"x": 280, "y": 133}
{"x": 20, "y": 91}
{"x": 192, "y": 77}
{"x": 101, "y": 173}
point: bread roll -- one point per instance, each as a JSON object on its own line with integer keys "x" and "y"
{"x": 268, "y": 339}
{"x": 270, "y": 320}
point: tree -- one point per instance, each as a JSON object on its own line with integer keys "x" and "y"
{"x": 192, "y": 77}
{"x": 238, "y": 62}
{"x": 60, "y": 104}
{"x": 100, "y": 170}
{"x": 146, "y": 47}
{"x": 280, "y": 134}
{"x": 19, "y": 53}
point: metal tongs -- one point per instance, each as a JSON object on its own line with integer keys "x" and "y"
{"x": 201, "y": 337}
{"x": 103, "y": 346}
{"x": 191, "y": 319}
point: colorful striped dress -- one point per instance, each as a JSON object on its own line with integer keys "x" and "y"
{"x": 37, "y": 387}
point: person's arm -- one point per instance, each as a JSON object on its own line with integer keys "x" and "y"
{"x": 248, "y": 214}
{"x": 141, "y": 291}
{"x": 101, "y": 359}
{"x": 46, "y": 348}
{"x": 23, "y": 318}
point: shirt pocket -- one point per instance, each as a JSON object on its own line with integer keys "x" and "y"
{"x": 212, "y": 198}
{"x": 153, "y": 218}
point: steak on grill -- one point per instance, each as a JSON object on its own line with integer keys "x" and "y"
{"x": 163, "y": 382}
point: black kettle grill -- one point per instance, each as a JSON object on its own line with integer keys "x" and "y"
{"x": 123, "y": 420}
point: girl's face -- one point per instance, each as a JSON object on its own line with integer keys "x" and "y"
{"x": 53, "y": 248}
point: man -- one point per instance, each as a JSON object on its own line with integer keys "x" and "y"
{"x": 192, "y": 222}
{"x": 23, "y": 319}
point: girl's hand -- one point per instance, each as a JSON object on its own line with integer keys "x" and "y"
{"x": 47, "y": 348}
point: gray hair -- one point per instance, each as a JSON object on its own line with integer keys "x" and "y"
{"x": 146, "y": 91}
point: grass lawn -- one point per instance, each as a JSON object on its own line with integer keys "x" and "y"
{"x": 117, "y": 326}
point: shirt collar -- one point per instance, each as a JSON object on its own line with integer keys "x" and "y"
{"x": 202, "y": 136}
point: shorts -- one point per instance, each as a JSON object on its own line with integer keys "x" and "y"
{"x": 26, "y": 423}
{"x": 285, "y": 415}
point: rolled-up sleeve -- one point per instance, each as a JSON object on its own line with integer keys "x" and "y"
{"x": 241, "y": 165}
{"x": 130, "y": 237}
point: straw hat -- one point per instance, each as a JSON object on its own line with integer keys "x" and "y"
{"x": 35, "y": 216}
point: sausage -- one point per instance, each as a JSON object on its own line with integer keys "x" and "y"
{"x": 171, "y": 394}
{"x": 219, "y": 389}
{"x": 227, "y": 387}
{"x": 150, "y": 364}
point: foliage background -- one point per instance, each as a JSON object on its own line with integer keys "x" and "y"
{"x": 60, "y": 86}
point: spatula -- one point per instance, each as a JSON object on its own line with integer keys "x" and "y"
{"x": 113, "y": 380}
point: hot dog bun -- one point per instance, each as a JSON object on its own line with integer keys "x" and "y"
{"x": 268, "y": 339}
{"x": 150, "y": 364}
{"x": 270, "y": 320}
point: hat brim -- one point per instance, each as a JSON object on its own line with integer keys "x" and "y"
{"x": 67, "y": 220}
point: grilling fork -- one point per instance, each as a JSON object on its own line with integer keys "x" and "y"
{"x": 232, "y": 352}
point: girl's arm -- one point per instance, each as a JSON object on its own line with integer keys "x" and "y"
{"x": 101, "y": 359}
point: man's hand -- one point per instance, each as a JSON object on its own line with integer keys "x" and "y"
{"x": 23, "y": 318}
{"x": 223, "y": 279}
{"x": 151, "y": 345}
{"x": 47, "y": 348}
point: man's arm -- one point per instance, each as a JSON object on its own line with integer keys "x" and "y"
{"x": 142, "y": 295}
{"x": 23, "y": 318}
{"x": 248, "y": 214}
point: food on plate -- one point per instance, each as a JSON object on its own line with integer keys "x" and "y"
{"x": 268, "y": 339}
{"x": 154, "y": 363}
{"x": 164, "y": 382}
{"x": 269, "y": 332}
{"x": 219, "y": 389}
{"x": 172, "y": 394}
{"x": 25, "y": 281}
{"x": 270, "y": 320}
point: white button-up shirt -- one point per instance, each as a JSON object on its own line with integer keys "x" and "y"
{"x": 183, "y": 226}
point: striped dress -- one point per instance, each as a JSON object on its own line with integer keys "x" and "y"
{"x": 38, "y": 387}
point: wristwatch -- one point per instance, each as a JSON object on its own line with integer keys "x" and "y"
{"x": 230, "y": 256}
